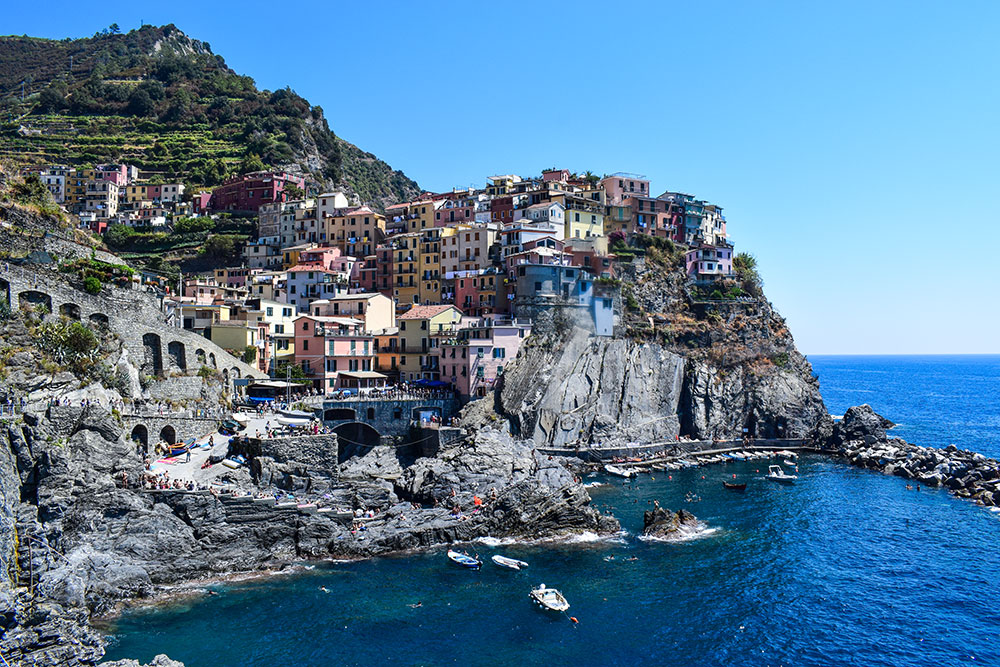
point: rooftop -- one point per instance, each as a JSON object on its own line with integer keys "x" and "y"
{"x": 419, "y": 312}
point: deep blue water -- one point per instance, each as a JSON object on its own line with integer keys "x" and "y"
{"x": 845, "y": 568}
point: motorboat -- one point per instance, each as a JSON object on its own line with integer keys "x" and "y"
{"x": 735, "y": 487}
{"x": 510, "y": 563}
{"x": 620, "y": 471}
{"x": 789, "y": 463}
{"x": 464, "y": 559}
{"x": 549, "y": 598}
{"x": 776, "y": 474}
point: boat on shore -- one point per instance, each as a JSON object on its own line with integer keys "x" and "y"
{"x": 509, "y": 563}
{"x": 776, "y": 474}
{"x": 549, "y": 598}
{"x": 619, "y": 471}
{"x": 464, "y": 559}
{"x": 735, "y": 487}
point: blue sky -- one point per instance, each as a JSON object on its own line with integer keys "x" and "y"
{"x": 852, "y": 144}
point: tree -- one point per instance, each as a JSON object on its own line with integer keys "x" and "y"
{"x": 114, "y": 29}
{"x": 293, "y": 192}
{"x": 140, "y": 103}
{"x": 92, "y": 285}
{"x": 117, "y": 236}
{"x": 294, "y": 372}
{"x": 53, "y": 97}
{"x": 224, "y": 247}
{"x": 745, "y": 266}
{"x": 251, "y": 162}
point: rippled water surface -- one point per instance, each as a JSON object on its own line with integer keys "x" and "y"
{"x": 847, "y": 567}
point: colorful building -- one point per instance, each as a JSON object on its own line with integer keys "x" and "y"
{"x": 421, "y": 330}
{"x": 476, "y": 356}
{"x": 247, "y": 193}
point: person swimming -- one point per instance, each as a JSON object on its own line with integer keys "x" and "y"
{"x": 324, "y": 589}
{"x": 416, "y": 605}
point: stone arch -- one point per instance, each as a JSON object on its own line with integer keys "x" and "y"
{"x": 751, "y": 425}
{"x": 153, "y": 353}
{"x": 356, "y": 439}
{"x": 338, "y": 414}
{"x": 140, "y": 434}
{"x": 370, "y": 414}
{"x": 70, "y": 310}
{"x": 168, "y": 434}
{"x": 225, "y": 375}
{"x": 397, "y": 413}
{"x": 5, "y": 291}
{"x": 31, "y": 298}
{"x": 175, "y": 349}
{"x": 99, "y": 319}
{"x": 235, "y": 372}
{"x": 211, "y": 358}
{"x": 199, "y": 354}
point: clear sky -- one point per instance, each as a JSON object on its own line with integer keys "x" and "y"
{"x": 852, "y": 144}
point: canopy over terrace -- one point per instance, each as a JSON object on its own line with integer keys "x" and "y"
{"x": 361, "y": 380}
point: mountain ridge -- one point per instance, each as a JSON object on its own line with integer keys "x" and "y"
{"x": 164, "y": 101}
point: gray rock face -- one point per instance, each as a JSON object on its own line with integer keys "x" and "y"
{"x": 159, "y": 661}
{"x": 587, "y": 391}
{"x": 664, "y": 524}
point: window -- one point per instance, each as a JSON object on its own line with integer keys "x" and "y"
{"x": 305, "y": 345}
{"x": 538, "y": 286}
{"x": 499, "y": 353}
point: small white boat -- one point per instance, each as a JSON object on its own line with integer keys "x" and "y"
{"x": 548, "y": 598}
{"x": 789, "y": 463}
{"x": 240, "y": 418}
{"x": 618, "y": 470}
{"x": 465, "y": 560}
{"x": 776, "y": 474}
{"x": 511, "y": 563}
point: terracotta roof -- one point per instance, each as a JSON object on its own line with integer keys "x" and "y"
{"x": 316, "y": 268}
{"x": 419, "y": 312}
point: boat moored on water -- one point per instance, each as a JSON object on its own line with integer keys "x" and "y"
{"x": 464, "y": 559}
{"x": 510, "y": 563}
{"x": 549, "y": 598}
{"x": 619, "y": 471}
{"x": 735, "y": 487}
{"x": 776, "y": 474}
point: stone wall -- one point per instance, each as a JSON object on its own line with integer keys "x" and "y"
{"x": 382, "y": 414}
{"x": 150, "y": 430}
{"x": 132, "y": 314}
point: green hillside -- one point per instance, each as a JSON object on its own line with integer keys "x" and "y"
{"x": 163, "y": 101}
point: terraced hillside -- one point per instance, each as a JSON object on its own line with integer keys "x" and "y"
{"x": 156, "y": 98}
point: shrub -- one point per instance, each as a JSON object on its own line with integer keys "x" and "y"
{"x": 249, "y": 354}
{"x": 117, "y": 236}
{"x": 92, "y": 285}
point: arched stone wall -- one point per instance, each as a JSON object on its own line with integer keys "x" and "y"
{"x": 153, "y": 353}
{"x": 31, "y": 298}
{"x": 70, "y": 310}
{"x": 175, "y": 350}
{"x": 99, "y": 319}
{"x": 140, "y": 434}
{"x": 168, "y": 434}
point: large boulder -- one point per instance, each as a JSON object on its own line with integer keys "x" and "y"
{"x": 664, "y": 524}
{"x": 860, "y": 423}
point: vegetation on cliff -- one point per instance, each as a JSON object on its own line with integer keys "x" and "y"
{"x": 160, "y": 100}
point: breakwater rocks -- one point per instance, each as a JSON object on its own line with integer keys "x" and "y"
{"x": 861, "y": 439}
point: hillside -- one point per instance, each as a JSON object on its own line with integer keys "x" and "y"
{"x": 156, "y": 98}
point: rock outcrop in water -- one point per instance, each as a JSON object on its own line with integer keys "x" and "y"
{"x": 861, "y": 439}
{"x": 663, "y": 524}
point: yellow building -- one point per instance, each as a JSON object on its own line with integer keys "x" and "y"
{"x": 421, "y": 330}
{"x": 405, "y": 265}
{"x": 290, "y": 255}
{"x": 387, "y": 354}
{"x": 430, "y": 266}
{"x": 136, "y": 193}
{"x": 275, "y": 322}
{"x": 417, "y": 215}
{"x": 584, "y": 214}
{"x": 235, "y": 336}
{"x": 355, "y": 231}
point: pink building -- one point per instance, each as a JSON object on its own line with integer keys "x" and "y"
{"x": 335, "y": 353}
{"x": 476, "y": 357}
{"x": 707, "y": 263}
{"x": 455, "y": 209}
{"x": 620, "y": 185}
{"x": 475, "y": 292}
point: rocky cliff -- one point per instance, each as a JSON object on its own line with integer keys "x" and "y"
{"x": 676, "y": 367}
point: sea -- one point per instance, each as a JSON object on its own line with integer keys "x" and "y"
{"x": 846, "y": 567}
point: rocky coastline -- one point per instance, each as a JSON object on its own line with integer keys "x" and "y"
{"x": 861, "y": 439}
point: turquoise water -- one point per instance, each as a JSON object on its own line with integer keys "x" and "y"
{"x": 845, "y": 568}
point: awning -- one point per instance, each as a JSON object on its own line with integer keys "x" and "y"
{"x": 431, "y": 383}
{"x": 362, "y": 375}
